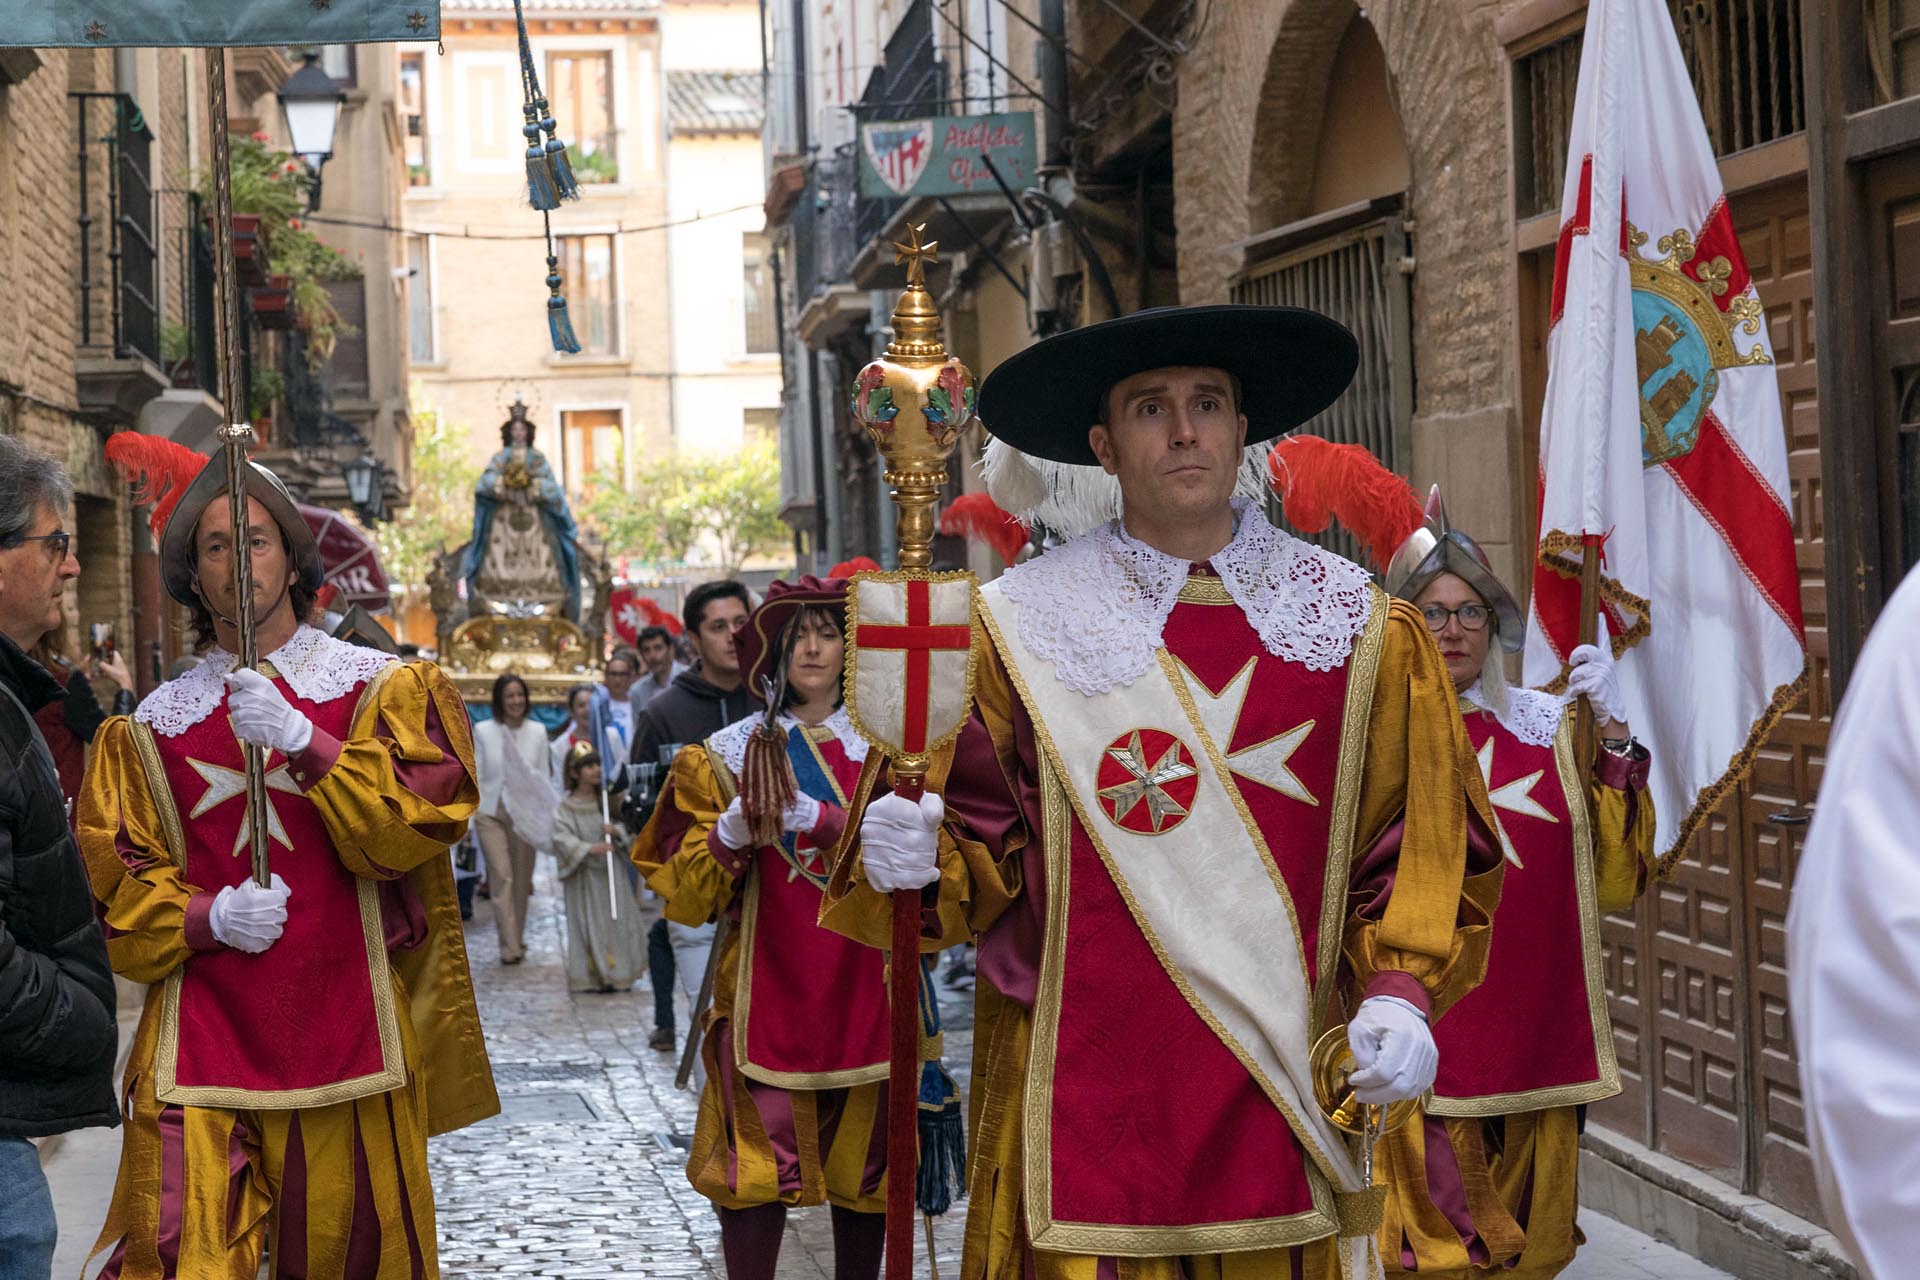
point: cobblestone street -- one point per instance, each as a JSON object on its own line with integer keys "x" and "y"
{"x": 581, "y": 1177}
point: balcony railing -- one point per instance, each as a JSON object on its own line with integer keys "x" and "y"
{"x": 826, "y": 223}
{"x": 910, "y": 82}
{"x": 118, "y": 298}
{"x": 188, "y": 355}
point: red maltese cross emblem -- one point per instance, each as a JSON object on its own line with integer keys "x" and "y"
{"x": 1147, "y": 781}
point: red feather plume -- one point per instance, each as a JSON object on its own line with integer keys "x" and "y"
{"x": 859, "y": 564}
{"x": 1319, "y": 481}
{"x": 159, "y": 470}
{"x": 978, "y": 517}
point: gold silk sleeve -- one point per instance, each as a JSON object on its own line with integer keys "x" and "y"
{"x": 1622, "y": 844}
{"x": 130, "y": 862}
{"x": 671, "y": 850}
{"x": 975, "y": 885}
{"x": 402, "y": 789}
{"x": 1421, "y": 773}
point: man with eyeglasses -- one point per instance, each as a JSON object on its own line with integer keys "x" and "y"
{"x": 57, "y": 1031}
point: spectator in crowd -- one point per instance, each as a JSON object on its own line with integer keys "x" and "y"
{"x": 68, "y": 724}
{"x": 57, "y": 1028}
{"x": 696, "y": 704}
{"x": 578, "y": 728}
{"x": 622, "y": 707}
{"x": 517, "y": 802}
{"x": 656, "y": 652}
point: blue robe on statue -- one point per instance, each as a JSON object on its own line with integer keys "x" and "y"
{"x": 546, "y": 498}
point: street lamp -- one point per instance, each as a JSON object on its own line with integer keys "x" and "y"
{"x": 362, "y": 473}
{"x": 311, "y": 101}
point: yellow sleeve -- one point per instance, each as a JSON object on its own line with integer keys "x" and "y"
{"x": 1622, "y": 812}
{"x": 673, "y": 851}
{"x": 130, "y": 864}
{"x": 980, "y": 843}
{"x": 400, "y": 788}
{"x": 1421, "y": 794}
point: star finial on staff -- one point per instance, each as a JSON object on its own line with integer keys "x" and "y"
{"x": 916, "y": 255}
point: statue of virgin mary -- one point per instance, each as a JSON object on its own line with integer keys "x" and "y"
{"x": 524, "y": 557}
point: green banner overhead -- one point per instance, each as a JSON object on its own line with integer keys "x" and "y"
{"x": 47, "y": 24}
{"x": 942, "y": 155}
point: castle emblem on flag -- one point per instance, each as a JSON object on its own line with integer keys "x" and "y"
{"x": 900, "y": 152}
{"x": 1683, "y": 335}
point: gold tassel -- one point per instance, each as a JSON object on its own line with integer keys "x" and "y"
{"x": 767, "y": 784}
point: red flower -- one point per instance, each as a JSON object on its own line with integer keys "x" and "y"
{"x": 260, "y": 135}
{"x": 288, "y": 167}
{"x": 293, "y": 224}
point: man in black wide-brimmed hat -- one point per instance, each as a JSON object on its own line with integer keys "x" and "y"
{"x": 1214, "y": 798}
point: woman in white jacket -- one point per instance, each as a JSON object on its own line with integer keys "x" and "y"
{"x": 517, "y": 800}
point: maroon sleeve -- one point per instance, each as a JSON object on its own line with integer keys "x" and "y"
{"x": 200, "y": 923}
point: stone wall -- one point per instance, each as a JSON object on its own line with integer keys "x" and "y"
{"x": 1245, "y": 135}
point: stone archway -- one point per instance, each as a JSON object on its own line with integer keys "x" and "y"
{"x": 1252, "y": 96}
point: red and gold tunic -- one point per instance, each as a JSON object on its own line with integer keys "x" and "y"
{"x": 350, "y": 1038}
{"x": 796, "y": 1037}
{"x": 1484, "y": 1185}
{"x": 1130, "y": 1092}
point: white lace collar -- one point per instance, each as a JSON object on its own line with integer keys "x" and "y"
{"x": 315, "y": 666}
{"x": 1532, "y": 716}
{"x": 1095, "y": 609}
{"x": 730, "y": 744}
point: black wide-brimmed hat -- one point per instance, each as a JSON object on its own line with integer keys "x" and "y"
{"x": 1291, "y": 363}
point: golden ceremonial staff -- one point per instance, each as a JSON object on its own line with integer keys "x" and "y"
{"x": 909, "y": 675}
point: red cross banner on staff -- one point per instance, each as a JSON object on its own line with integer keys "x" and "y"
{"x": 909, "y": 645}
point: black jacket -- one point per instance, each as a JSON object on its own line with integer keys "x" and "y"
{"x": 57, "y": 1029}
{"x": 690, "y": 709}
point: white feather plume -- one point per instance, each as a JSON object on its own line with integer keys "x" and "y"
{"x": 1071, "y": 500}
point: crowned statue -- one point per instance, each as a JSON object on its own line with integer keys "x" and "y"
{"x": 524, "y": 558}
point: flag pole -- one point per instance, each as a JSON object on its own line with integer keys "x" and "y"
{"x": 1583, "y": 726}
{"x": 235, "y": 434}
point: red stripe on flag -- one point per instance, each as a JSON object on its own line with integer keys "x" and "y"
{"x": 1717, "y": 240}
{"x": 1578, "y": 225}
{"x": 1733, "y": 497}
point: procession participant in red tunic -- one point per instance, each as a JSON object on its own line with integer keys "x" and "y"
{"x": 299, "y": 1041}
{"x": 1484, "y": 1186}
{"x": 793, "y": 1109}
{"x": 1213, "y": 797}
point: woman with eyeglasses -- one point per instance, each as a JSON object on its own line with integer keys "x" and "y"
{"x": 1483, "y": 1183}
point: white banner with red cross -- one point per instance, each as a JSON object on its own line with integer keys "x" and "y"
{"x": 910, "y": 658}
{"x": 1661, "y": 439}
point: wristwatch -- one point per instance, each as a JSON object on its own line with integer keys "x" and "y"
{"x": 1618, "y": 746}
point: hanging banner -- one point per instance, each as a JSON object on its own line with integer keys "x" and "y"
{"x": 205, "y": 24}
{"x": 940, "y": 155}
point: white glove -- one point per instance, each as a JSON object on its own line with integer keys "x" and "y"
{"x": 1591, "y": 673}
{"x": 802, "y": 816}
{"x": 1394, "y": 1049}
{"x": 262, "y": 716}
{"x": 900, "y": 842}
{"x": 732, "y": 828}
{"x": 249, "y": 918}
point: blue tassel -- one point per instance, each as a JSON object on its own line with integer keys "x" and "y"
{"x": 541, "y": 193}
{"x": 560, "y": 328}
{"x": 943, "y": 1142}
{"x": 942, "y": 1123}
{"x": 565, "y": 185}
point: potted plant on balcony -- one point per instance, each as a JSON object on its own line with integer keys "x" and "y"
{"x": 270, "y": 189}
{"x": 272, "y": 303}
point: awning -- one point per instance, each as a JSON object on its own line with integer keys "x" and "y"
{"x": 351, "y": 564}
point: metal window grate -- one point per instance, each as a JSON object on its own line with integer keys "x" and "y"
{"x": 118, "y": 254}
{"x": 1356, "y": 277}
{"x": 1745, "y": 60}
